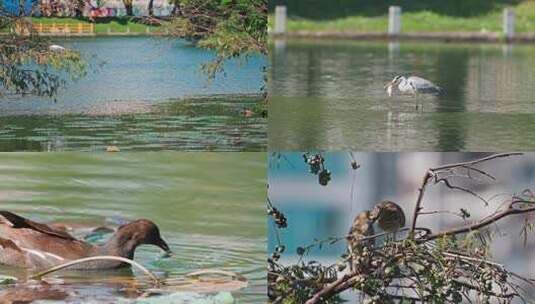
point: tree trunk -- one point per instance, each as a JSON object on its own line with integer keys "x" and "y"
{"x": 22, "y": 11}
{"x": 78, "y": 7}
{"x": 176, "y": 9}
{"x": 151, "y": 11}
{"x": 129, "y": 8}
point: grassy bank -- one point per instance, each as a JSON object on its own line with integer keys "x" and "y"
{"x": 421, "y": 21}
{"x": 115, "y": 24}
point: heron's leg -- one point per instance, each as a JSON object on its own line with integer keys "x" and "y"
{"x": 421, "y": 105}
{"x": 416, "y": 97}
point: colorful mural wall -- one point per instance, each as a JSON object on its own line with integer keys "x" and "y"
{"x": 113, "y": 8}
{"x": 93, "y": 8}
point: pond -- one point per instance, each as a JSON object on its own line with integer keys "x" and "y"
{"x": 329, "y": 95}
{"x": 194, "y": 198}
{"x": 129, "y": 81}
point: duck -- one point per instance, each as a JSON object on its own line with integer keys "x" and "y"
{"x": 32, "y": 245}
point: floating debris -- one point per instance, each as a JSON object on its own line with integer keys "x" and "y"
{"x": 7, "y": 280}
{"x": 56, "y": 48}
{"x": 182, "y": 297}
{"x": 36, "y": 294}
{"x": 247, "y": 113}
{"x": 112, "y": 149}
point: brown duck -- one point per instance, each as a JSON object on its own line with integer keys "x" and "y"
{"x": 28, "y": 244}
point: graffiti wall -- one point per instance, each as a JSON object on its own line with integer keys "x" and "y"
{"x": 114, "y": 8}
{"x": 97, "y": 8}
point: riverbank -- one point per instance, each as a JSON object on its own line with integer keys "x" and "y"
{"x": 418, "y": 25}
{"x": 419, "y": 21}
{"x": 113, "y": 26}
{"x": 417, "y": 36}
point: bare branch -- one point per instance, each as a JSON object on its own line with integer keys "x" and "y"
{"x": 433, "y": 172}
{"x": 483, "y": 223}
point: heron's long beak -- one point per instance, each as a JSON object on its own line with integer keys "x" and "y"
{"x": 389, "y": 84}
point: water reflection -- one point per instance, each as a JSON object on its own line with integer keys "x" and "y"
{"x": 141, "y": 93}
{"x": 329, "y": 95}
{"x": 194, "y": 198}
{"x": 318, "y": 212}
{"x": 145, "y": 68}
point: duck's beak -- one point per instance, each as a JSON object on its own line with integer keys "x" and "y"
{"x": 163, "y": 245}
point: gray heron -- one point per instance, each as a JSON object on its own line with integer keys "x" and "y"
{"x": 413, "y": 85}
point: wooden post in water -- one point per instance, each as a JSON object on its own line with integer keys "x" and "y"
{"x": 394, "y": 20}
{"x": 508, "y": 23}
{"x": 280, "y": 20}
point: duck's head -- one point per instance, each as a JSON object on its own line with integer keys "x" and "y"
{"x": 141, "y": 232}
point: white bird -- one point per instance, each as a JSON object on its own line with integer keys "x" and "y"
{"x": 413, "y": 85}
{"x": 56, "y": 48}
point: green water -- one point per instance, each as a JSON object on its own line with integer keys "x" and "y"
{"x": 209, "y": 208}
{"x": 329, "y": 95}
{"x": 204, "y": 123}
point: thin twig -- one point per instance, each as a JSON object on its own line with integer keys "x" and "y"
{"x": 433, "y": 172}
{"x": 480, "y": 224}
{"x": 98, "y": 258}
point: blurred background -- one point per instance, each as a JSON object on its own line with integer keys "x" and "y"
{"x": 321, "y": 9}
{"x": 319, "y": 212}
{"x": 367, "y": 15}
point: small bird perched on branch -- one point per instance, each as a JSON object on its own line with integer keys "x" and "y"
{"x": 362, "y": 227}
{"x": 389, "y": 216}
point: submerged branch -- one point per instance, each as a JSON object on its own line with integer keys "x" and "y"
{"x": 98, "y": 258}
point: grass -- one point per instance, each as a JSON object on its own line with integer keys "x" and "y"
{"x": 116, "y": 24}
{"x": 423, "y": 21}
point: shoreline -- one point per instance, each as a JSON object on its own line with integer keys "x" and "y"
{"x": 80, "y": 35}
{"x": 490, "y": 37}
